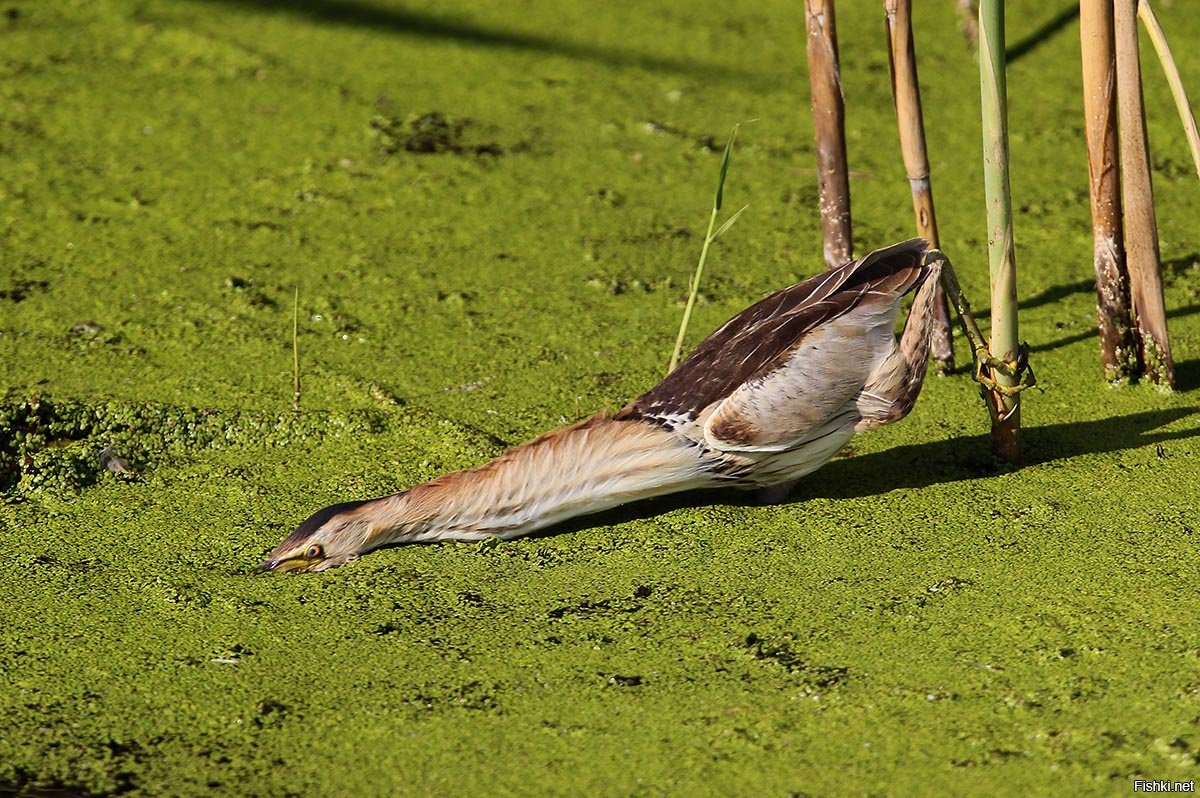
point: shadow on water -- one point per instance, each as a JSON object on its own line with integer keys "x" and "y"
{"x": 925, "y": 464}
{"x": 1174, "y": 266}
{"x": 1187, "y": 374}
{"x": 1056, "y": 293}
{"x": 1174, "y": 313}
{"x": 1050, "y": 295}
{"x": 1047, "y": 31}
{"x": 403, "y": 22}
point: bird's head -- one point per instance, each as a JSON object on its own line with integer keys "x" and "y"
{"x": 330, "y": 537}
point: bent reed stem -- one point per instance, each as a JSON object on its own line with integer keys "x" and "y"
{"x": 1159, "y": 40}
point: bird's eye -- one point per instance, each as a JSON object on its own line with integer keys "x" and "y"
{"x": 314, "y": 551}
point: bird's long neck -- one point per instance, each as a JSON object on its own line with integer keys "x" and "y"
{"x": 592, "y": 466}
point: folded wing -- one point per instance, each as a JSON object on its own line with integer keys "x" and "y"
{"x": 778, "y": 373}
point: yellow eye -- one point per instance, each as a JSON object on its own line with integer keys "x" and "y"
{"x": 314, "y": 552}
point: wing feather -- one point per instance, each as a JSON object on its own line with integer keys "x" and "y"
{"x": 780, "y": 408}
{"x": 766, "y": 337}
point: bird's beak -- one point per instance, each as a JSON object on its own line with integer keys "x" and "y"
{"x": 281, "y": 564}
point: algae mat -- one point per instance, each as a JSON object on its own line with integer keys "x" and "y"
{"x": 491, "y": 212}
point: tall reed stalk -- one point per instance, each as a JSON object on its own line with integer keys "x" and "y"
{"x": 906, "y": 92}
{"x": 828, "y": 109}
{"x": 1118, "y": 343}
{"x": 1159, "y": 40}
{"x": 1004, "y": 402}
{"x": 1141, "y": 226}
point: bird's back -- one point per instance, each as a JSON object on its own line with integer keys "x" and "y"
{"x": 763, "y": 338}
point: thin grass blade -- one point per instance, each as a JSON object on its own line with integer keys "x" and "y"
{"x": 728, "y": 224}
{"x": 725, "y": 167}
{"x": 296, "y": 351}
{"x": 709, "y": 237}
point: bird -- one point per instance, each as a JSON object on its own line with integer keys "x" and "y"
{"x": 768, "y": 398}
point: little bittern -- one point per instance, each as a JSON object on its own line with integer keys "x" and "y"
{"x": 768, "y": 398}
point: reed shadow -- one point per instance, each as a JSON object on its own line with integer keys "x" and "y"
{"x": 1177, "y": 266}
{"x": 1067, "y": 340}
{"x": 1187, "y": 375}
{"x": 1043, "y": 34}
{"x": 415, "y": 24}
{"x": 1052, "y": 294}
{"x": 1174, "y": 313}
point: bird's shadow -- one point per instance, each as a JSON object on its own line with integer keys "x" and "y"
{"x": 924, "y": 464}
{"x": 955, "y": 459}
{"x": 912, "y": 467}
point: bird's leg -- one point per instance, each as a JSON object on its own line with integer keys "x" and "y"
{"x": 985, "y": 362}
{"x": 892, "y": 391}
{"x": 774, "y": 494}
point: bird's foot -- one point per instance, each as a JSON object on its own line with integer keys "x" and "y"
{"x": 774, "y": 494}
{"x": 1018, "y": 369}
{"x": 986, "y": 364}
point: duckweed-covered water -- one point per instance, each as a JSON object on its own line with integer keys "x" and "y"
{"x": 491, "y": 211}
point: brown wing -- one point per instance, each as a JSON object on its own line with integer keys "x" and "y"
{"x": 813, "y": 391}
{"x": 761, "y": 339}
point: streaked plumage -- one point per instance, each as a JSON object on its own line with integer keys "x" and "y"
{"x": 769, "y": 397}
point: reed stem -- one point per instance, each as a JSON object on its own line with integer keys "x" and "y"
{"x": 1005, "y": 344}
{"x": 1141, "y": 226}
{"x": 906, "y": 93}
{"x": 828, "y": 109}
{"x": 1159, "y": 40}
{"x": 968, "y": 22}
{"x": 1118, "y": 343}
